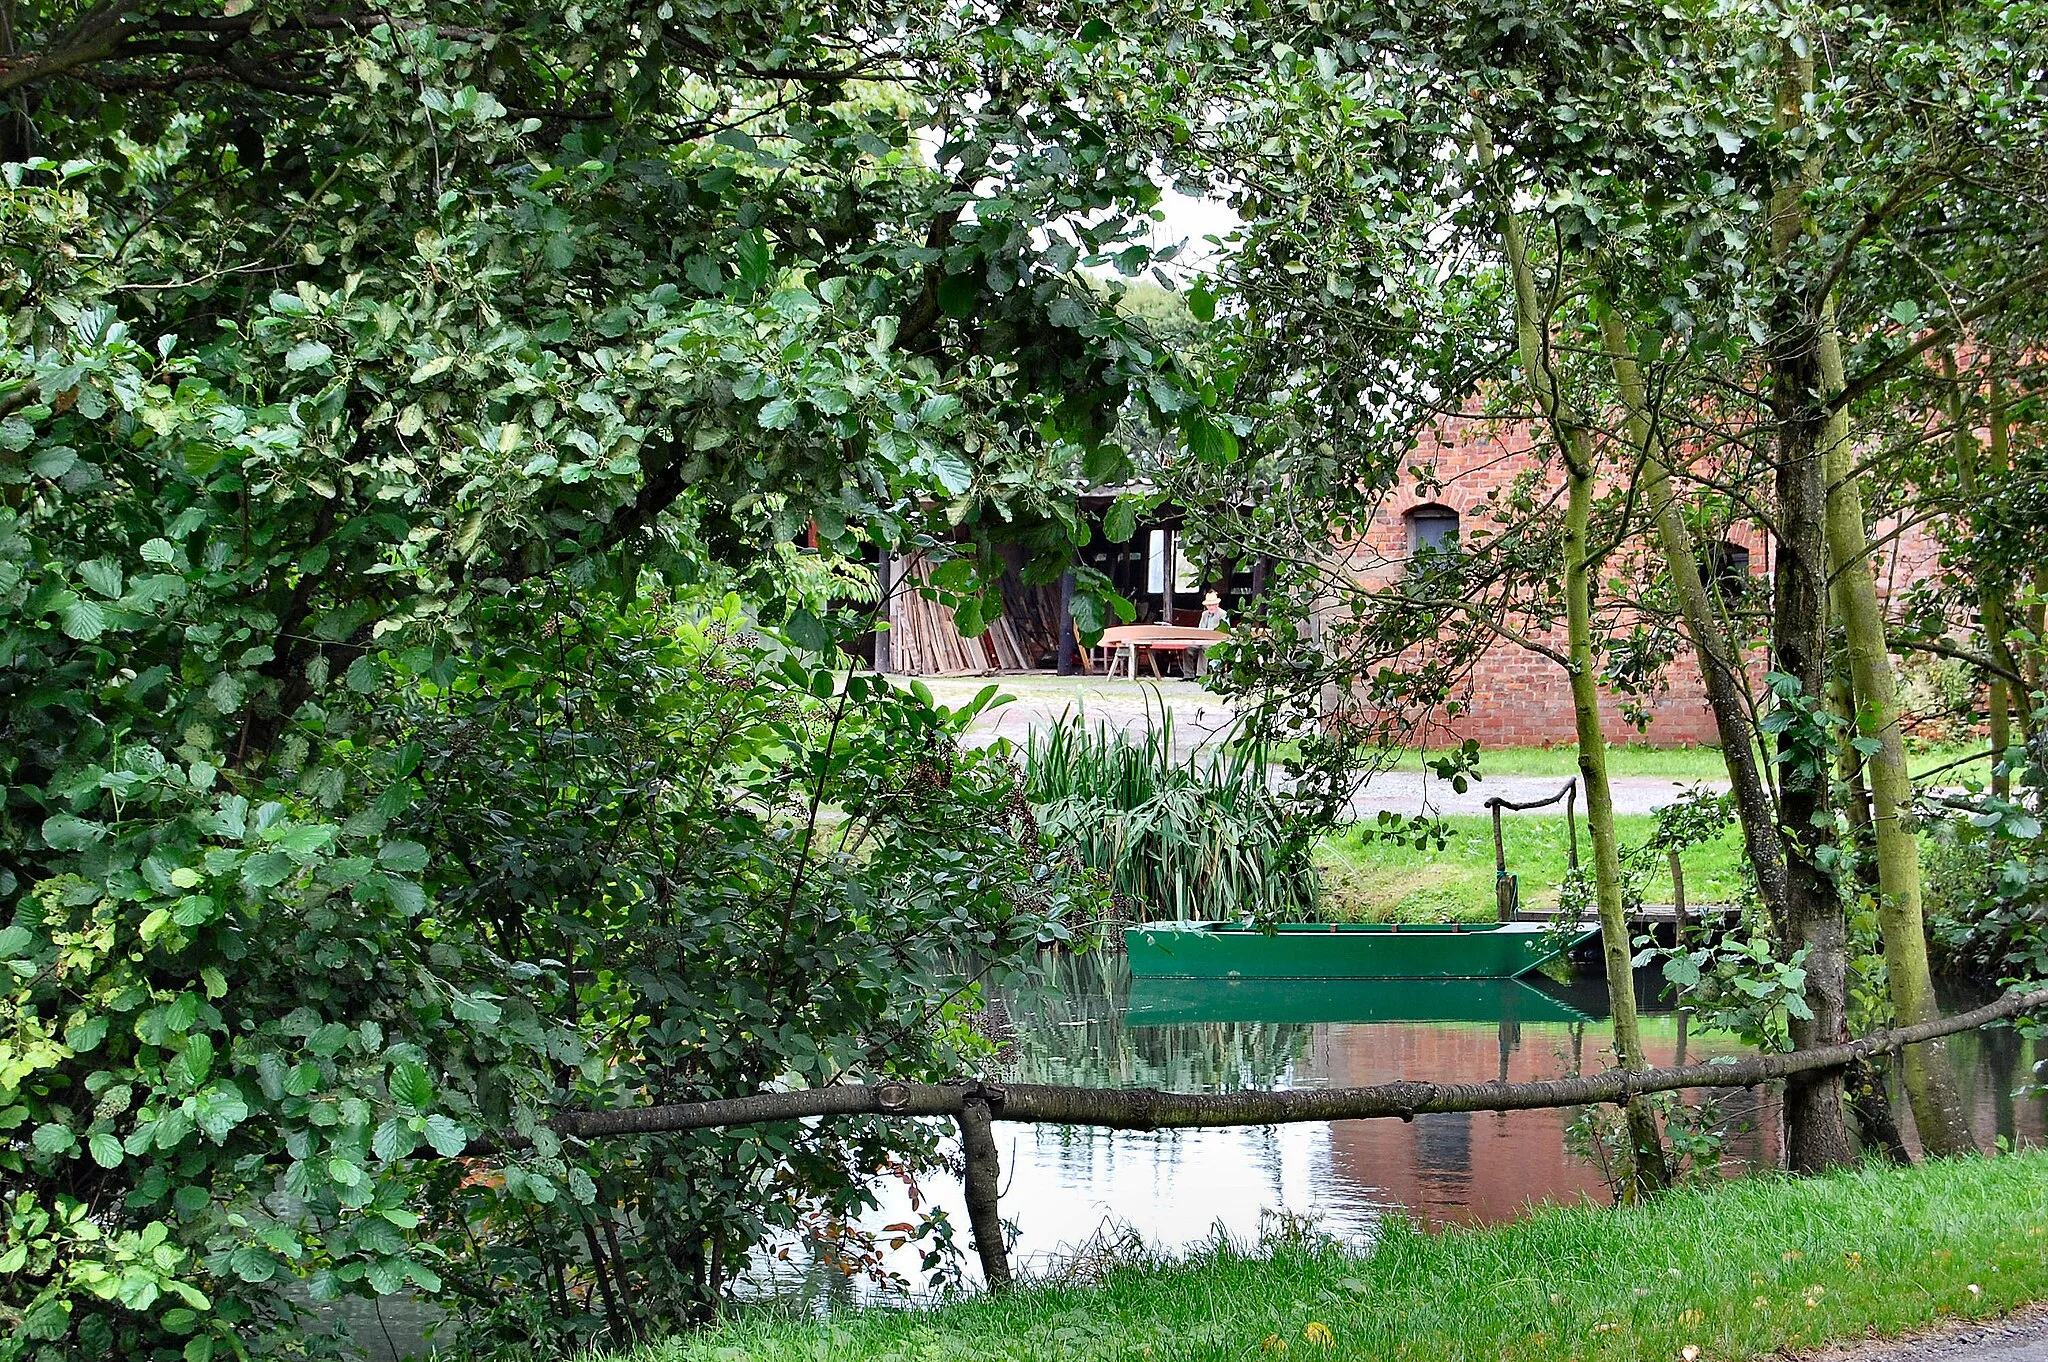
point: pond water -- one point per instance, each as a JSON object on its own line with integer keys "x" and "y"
{"x": 1068, "y": 1191}
{"x": 1073, "y": 1195}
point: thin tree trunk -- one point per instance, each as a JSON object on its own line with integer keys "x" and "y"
{"x": 1992, "y": 612}
{"x": 614, "y": 1317}
{"x": 1930, "y": 1083}
{"x": 1816, "y": 1136}
{"x": 1720, "y": 665}
{"x": 2000, "y": 701}
{"x": 1648, "y": 1170}
{"x": 2037, "y": 624}
{"x": 1870, "y": 1099}
{"x": 1849, "y": 771}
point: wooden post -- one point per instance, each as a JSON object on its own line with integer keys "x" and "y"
{"x": 983, "y": 1176}
{"x": 883, "y": 587}
{"x": 1678, "y": 921}
{"x": 1503, "y": 887}
{"x": 1571, "y": 818}
{"x": 1172, "y": 542}
{"x": 1066, "y": 639}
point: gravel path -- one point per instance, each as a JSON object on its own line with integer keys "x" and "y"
{"x": 1199, "y": 716}
{"x": 1418, "y": 791}
{"x": 2019, "y": 1337}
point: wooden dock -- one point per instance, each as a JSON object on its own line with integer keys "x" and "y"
{"x": 1656, "y": 914}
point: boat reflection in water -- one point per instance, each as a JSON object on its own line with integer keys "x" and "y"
{"x": 1178, "y": 1189}
{"x": 1171, "y": 1002}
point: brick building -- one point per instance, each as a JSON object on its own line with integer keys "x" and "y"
{"x": 1515, "y": 696}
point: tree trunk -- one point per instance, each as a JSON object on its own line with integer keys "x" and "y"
{"x": 1648, "y": 1171}
{"x": 1720, "y": 664}
{"x": 1870, "y": 1099}
{"x": 982, "y": 1173}
{"x": 1992, "y": 610}
{"x": 1816, "y": 1136}
{"x": 1930, "y": 1083}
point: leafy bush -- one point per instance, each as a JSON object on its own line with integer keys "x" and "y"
{"x": 1987, "y": 880}
{"x": 742, "y": 870}
{"x": 673, "y": 860}
{"x": 1200, "y": 836}
{"x": 386, "y": 408}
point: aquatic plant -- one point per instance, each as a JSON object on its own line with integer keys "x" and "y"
{"x": 1194, "y": 836}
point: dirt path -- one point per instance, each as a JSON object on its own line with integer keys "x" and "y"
{"x": 2019, "y": 1337}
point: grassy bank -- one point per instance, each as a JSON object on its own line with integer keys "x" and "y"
{"x": 1372, "y": 881}
{"x": 1737, "y": 1270}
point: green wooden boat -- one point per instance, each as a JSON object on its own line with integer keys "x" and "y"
{"x": 1156, "y": 1001}
{"x": 1314, "y": 950}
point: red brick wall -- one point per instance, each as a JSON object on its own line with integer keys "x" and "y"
{"x": 1517, "y": 697}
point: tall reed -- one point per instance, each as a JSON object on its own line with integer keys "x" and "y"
{"x": 1199, "y": 837}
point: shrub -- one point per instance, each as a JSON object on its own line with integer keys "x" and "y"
{"x": 610, "y": 855}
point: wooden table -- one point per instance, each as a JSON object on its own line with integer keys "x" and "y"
{"x": 1125, "y": 641}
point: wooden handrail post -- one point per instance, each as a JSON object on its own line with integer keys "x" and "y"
{"x": 1503, "y": 892}
{"x": 1571, "y": 817}
{"x": 1678, "y": 922}
{"x": 983, "y": 1174}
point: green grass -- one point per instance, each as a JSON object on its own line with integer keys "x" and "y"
{"x": 1736, "y": 1270}
{"x": 1373, "y": 881}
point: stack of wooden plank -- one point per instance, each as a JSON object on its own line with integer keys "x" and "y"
{"x": 924, "y": 641}
{"x": 1033, "y": 613}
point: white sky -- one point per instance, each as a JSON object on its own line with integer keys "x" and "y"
{"x": 1191, "y": 219}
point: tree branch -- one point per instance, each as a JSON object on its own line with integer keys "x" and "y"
{"x": 1938, "y": 334}
{"x": 94, "y": 37}
{"x": 1974, "y": 658}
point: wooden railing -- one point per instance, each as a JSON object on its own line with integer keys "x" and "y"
{"x": 1507, "y": 889}
{"x": 975, "y": 1105}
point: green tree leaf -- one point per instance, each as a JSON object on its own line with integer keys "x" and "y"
{"x": 411, "y": 1086}
{"x": 307, "y": 354}
{"x": 69, "y": 832}
{"x": 447, "y": 1137}
{"x": 83, "y": 620}
{"x": 106, "y": 1150}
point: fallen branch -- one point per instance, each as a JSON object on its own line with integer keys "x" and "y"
{"x": 1152, "y": 1109}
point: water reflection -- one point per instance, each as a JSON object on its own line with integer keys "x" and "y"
{"x": 1177, "y": 1189}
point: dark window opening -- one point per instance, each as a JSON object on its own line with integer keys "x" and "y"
{"x": 1432, "y": 529}
{"x": 1727, "y": 569}
{"x": 1443, "y": 1143}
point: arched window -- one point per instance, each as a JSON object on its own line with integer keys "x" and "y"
{"x": 1727, "y": 569}
{"x": 1432, "y": 529}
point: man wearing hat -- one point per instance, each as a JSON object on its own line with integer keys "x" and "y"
{"x": 1212, "y": 618}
